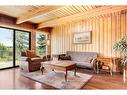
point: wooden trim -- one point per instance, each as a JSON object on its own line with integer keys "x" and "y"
{"x": 80, "y": 16}
{"x": 36, "y": 12}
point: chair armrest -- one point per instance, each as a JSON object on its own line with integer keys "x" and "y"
{"x": 25, "y": 59}
{"x": 28, "y": 59}
{"x": 123, "y": 63}
{"x": 94, "y": 63}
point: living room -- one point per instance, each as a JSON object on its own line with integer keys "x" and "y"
{"x": 63, "y": 47}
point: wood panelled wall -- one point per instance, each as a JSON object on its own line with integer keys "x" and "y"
{"x": 106, "y": 30}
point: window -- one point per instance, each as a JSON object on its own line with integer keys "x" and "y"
{"x": 12, "y": 42}
{"x": 40, "y": 43}
{"x": 22, "y": 43}
{"x": 6, "y": 48}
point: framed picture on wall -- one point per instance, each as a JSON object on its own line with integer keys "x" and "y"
{"x": 82, "y": 37}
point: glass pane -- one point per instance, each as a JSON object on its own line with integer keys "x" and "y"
{"x": 6, "y": 48}
{"x": 22, "y": 43}
{"x": 40, "y": 44}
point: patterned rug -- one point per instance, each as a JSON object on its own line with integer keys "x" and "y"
{"x": 56, "y": 79}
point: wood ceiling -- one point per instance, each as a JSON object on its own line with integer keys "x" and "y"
{"x": 50, "y": 16}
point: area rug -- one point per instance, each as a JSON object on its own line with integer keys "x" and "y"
{"x": 56, "y": 79}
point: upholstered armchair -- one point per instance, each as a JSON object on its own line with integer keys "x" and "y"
{"x": 30, "y": 62}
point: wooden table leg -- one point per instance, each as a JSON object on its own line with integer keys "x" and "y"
{"x": 97, "y": 67}
{"x": 75, "y": 71}
{"x": 111, "y": 72}
{"x": 66, "y": 76}
{"x": 42, "y": 68}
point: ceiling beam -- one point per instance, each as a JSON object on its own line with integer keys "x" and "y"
{"x": 36, "y": 12}
{"x": 80, "y": 16}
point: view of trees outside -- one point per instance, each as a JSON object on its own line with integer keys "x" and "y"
{"x": 6, "y": 46}
{"x": 22, "y": 43}
{"x": 5, "y": 53}
{"x": 41, "y": 44}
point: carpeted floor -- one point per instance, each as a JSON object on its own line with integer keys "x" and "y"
{"x": 56, "y": 79}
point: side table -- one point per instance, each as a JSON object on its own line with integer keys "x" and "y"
{"x": 105, "y": 64}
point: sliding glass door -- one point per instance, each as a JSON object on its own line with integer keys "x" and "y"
{"x": 12, "y": 42}
{"x": 22, "y": 43}
{"x": 6, "y": 48}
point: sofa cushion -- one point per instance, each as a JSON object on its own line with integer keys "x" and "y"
{"x": 83, "y": 59}
{"x": 82, "y": 56}
{"x": 30, "y": 53}
{"x": 83, "y": 64}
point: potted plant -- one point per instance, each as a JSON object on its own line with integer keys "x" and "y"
{"x": 121, "y": 46}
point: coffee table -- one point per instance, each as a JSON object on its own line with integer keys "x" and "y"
{"x": 59, "y": 65}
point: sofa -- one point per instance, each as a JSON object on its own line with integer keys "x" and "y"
{"x": 82, "y": 59}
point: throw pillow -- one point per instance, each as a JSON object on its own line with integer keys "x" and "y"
{"x": 65, "y": 57}
{"x": 30, "y": 53}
